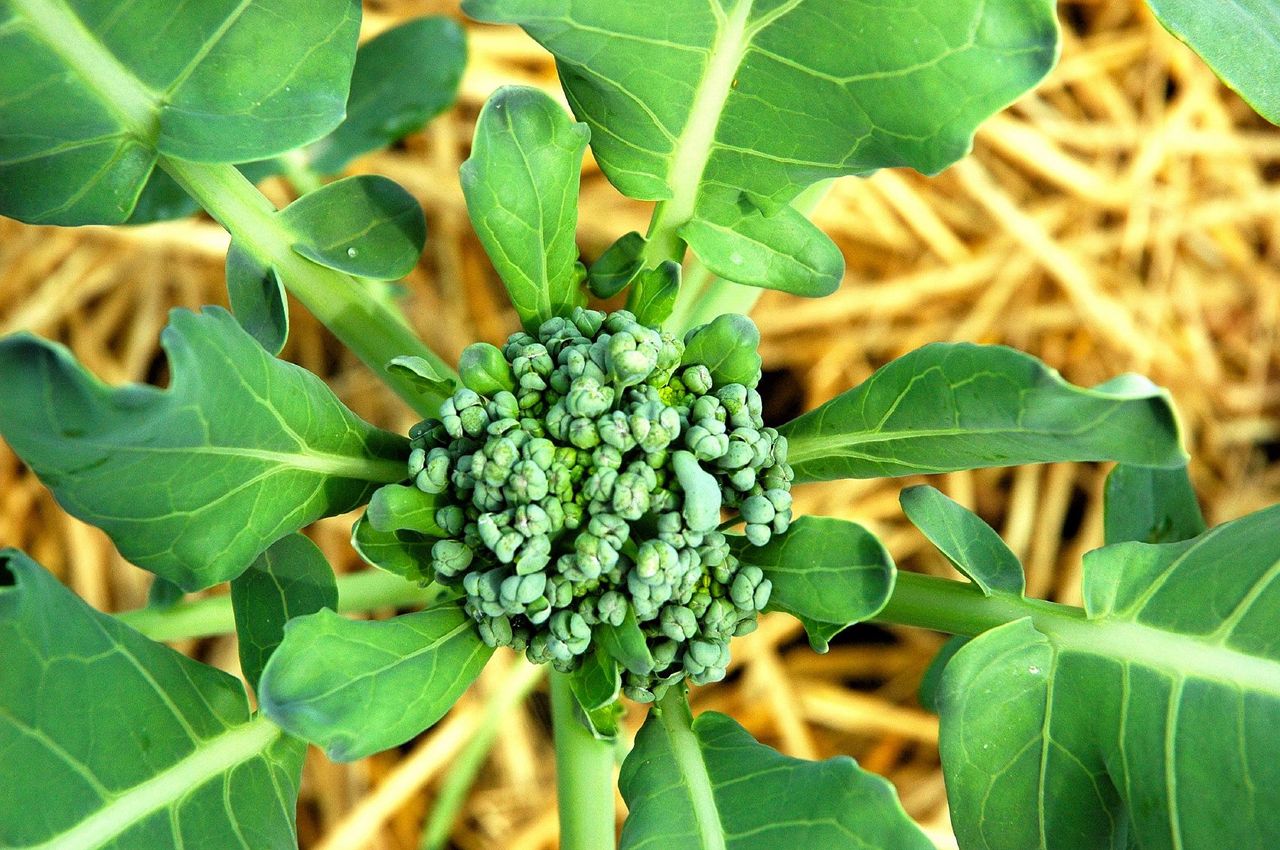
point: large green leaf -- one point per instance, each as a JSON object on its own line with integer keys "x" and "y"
{"x": 356, "y": 687}
{"x": 1239, "y": 39}
{"x": 726, "y": 110}
{"x": 1150, "y": 506}
{"x": 828, "y": 573}
{"x": 194, "y": 481}
{"x": 708, "y": 785}
{"x": 521, "y": 186}
{"x": 950, "y": 406}
{"x": 93, "y": 90}
{"x": 972, "y": 546}
{"x": 1152, "y": 723}
{"x": 290, "y": 579}
{"x": 113, "y": 741}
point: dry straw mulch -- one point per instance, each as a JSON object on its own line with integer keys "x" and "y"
{"x": 1125, "y": 216}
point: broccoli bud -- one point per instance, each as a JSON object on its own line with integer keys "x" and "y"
{"x": 581, "y": 475}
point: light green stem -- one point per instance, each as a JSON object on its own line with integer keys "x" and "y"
{"x": 338, "y": 300}
{"x": 357, "y": 592}
{"x": 584, "y": 776}
{"x": 453, "y": 791}
{"x": 960, "y": 608}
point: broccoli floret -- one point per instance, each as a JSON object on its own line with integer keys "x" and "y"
{"x": 581, "y": 476}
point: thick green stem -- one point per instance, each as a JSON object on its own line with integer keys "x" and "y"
{"x": 357, "y": 592}
{"x": 958, "y": 607}
{"x": 584, "y": 776}
{"x": 462, "y": 774}
{"x": 338, "y": 300}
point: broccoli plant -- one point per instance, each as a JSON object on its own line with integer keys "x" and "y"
{"x": 602, "y": 492}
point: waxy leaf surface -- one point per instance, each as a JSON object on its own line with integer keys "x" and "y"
{"x": 192, "y": 482}
{"x": 972, "y": 546}
{"x": 727, "y": 110}
{"x": 1150, "y": 506}
{"x": 521, "y": 186}
{"x": 1152, "y": 723}
{"x": 290, "y": 579}
{"x": 113, "y": 741}
{"x": 359, "y": 687}
{"x": 951, "y": 406}
{"x": 712, "y": 786}
{"x": 828, "y": 573}
{"x": 87, "y": 104}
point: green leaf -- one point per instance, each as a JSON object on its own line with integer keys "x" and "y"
{"x": 932, "y": 679}
{"x": 403, "y": 78}
{"x": 783, "y": 251}
{"x": 113, "y": 740}
{"x": 396, "y": 507}
{"x": 1239, "y": 40}
{"x": 709, "y": 785}
{"x": 653, "y": 298}
{"x": 86, "y": 104}
{"x": 617, "y": 266}
{"x": 596, "y": 686}
{"x": 422, "y": 373}
{"x": 162, "y": 593}
{"x": 356, "y": 687}
{"x": 521, "y": 186}
{"x": 290, "y": 579}
{"x": 404, "y": 553}
{"x": 729, "y": 346}
{"x": 1150, "y": 506}
{"x": 365, "y": 225}
{"x": 1150, "y": 724}
{"x": 257, "y": 298}
{"x": 194, "y": 481}
{"x": 828, "y": 573}
{"x": 969, "y": 543}
{"x": 162, "y": 199}
{"x": 726, "y": 111}
{"x": 950, "y": 406}
{"x": 627, "y": 644}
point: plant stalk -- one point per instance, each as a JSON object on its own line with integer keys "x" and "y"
{"x": 338, "y": 300}
{"x": 359, "y": 592}
{"x": 584, "y": 776}
{"x": 960, "y": 608}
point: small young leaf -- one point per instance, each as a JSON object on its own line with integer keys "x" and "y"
{"x": 422, "y": 373}
{"x": 951, "y": 406}
{"x": 828, "y": 573}
{"x": 404, "y": 553}
{"x": 484, "y": 370}
{"x": 357, "y": 687}
{"x": 1239, "y": 40}
{"x": 113, "y": 740}
{"x": 596, "y": 686}
{"x": 969, "y": 543}
{"x": 626, "y": 643}
{"x": 395, "y": 507}
{"x": 521, "y": 186}
{"x": 403, "y": 78}
{"x": 86, "y": 104}
{"x": 784, "y": 251}
{"x": 1150, "y": 506}
{"x": 290, "y": 579}
{"x": 163, "y": 593}
{"x": 257, "y": 299}
{"x": 617, "y": 266}
{"x": 710, "y": 784}
{"x": 729, "y": 347}
{"x": 702, "y": 496}
{"x": 653, "y": 298}
{"x": 194, "y": 481}
{"x": 367, "y": 226}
